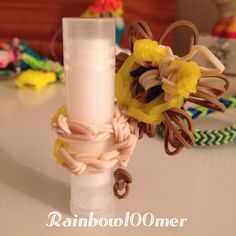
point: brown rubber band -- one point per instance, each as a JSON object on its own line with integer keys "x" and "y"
{"x": 135, "y": 29}
{"x": 167, "y": 141}
{"x": 206, "y": 91}
{"x": 176, "y": 133}
{"x": 216, "y": 90}
{"x": 155, "y": 78}
{"x": 137, "y": 91}
{"x": 120, "y": 59}
{"x": 177, "y": 24}
{"x": 138, "y": 28}
{"x": 205, "y": 100}
{"x": 215, "y": 87}
{"x": 180, "y": 123}
{"x": 147, "y": 129}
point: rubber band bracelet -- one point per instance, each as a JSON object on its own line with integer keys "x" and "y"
{"x": 210, "y": 137}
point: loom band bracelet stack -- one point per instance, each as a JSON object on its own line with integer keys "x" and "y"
{"x": 210, "y": 137}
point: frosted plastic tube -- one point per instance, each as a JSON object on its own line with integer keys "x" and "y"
{"x": 89, "y": 60}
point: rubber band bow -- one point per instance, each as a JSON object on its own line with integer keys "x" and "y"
{"x": 154, "y": 84}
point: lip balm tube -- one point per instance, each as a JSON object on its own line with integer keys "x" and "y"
{"x": 89, "y": 61}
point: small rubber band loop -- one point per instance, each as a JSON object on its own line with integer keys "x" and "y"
{"x": 177, "y": 24}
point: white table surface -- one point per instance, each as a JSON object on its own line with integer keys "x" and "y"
{"x": 198, "y": 184}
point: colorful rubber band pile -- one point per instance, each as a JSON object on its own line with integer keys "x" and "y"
{"x": 33, "y": 70}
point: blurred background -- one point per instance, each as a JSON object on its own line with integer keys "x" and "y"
{"x": 38, "y": 21}
{"x": 201, "y": 12}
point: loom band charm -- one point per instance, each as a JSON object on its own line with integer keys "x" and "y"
{"x": 122, "y": 183}
{"x": 181, "y": 23}
{"x": 138, "y": 115}
{"x": 177, "y": 91}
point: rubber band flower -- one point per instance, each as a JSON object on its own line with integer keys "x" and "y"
{"x": 153, "y": 84}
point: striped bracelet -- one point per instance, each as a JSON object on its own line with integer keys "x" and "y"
{"x": 211, "y": 137}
